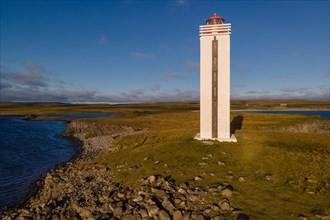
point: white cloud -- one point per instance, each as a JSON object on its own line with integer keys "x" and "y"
{"x": 84, "y": 96}
{"x": 103, "y": 40}
{"x": 155, "y": 87}
{"x": 31, "y": 75}
{"x": 302, "y": 93}
{"x": 142, "y": 55}
{"x": 181, "y": 2}
{"x": 176, "y": 75}
{"x": 192, "y": 65}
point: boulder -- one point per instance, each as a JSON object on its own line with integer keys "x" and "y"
{"x": 227, "y": 192}
{"x": 224, "y": 205}
{"x": 153, "y": 210}
{"x": 162, "y": 215}
{"x": 177, "y": 215}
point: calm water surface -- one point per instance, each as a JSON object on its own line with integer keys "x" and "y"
{"x": 323, "y": 114}
{"x": 27, "y": 150}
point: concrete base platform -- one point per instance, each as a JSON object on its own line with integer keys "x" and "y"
{"x": 231, "y": 139}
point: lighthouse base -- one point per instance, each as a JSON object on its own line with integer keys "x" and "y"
{"x": 231, "y": 139}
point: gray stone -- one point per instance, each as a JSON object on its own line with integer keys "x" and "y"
{"x": 310, "y": 191}
{"x": 182, "y": 191}
{"x": 193, "y": 216}
{"x": 137, "y": 216}
{"x": 151, "y": 202}
{"x": 183, "y": 204}
{"x": 241, "y": 179}
{"x": 159, "y": 193}
{"x": 200, "y": 217}
{"x": 225, "y": 206}
{"x": 128, "y": 217}
{"x": 183, "y": 186}
{"x": 118, "y": 211}
{"x": 211, "y": 190}
{"x": 302, "y": 217}
{"x": 153, "y": 210}
{"x": 215, "y": 208}
{"x": 197, "y": 178}
{"x": 227, "y": 192}
{"x": 177, "y": 215}
{"x": 269, "y": 177}
{"x": 311, "y": 180}
{"x": 177, "y": 201}
{"x": 138, "y": 199}
{"x": 321, "y": 215}
{"x": 168, "y": 206}
{"x": 162, "y": 215}
{"x": 151, "y": 179}
{"x": 202, "y": 164}
{"x": 186, "y": 216}
{"x": 229, "y": 176}
{"x": 143, "y": 213}
{"x": 189, "y": 191}
{"x": 55, "y": 217}
{"x": 192, "y": 198}
{"x": 120, "y": 195}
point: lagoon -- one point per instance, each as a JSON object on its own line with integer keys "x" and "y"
{"x": 29, "y": 149}
{"x": 321, "y": 113}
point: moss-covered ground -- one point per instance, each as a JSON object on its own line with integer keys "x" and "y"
{"x": 297, "y": 164}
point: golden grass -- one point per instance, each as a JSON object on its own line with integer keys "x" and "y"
{"x": 292, "y": 159}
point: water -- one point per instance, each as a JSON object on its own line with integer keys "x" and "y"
{"x": 27, "y": 150}
{"x": 322, "y": 114}
{"x": 86, "y": 115}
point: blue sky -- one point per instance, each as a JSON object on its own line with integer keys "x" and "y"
{"x": 146, "y": 51}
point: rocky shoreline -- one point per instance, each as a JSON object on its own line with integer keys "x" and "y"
{"x": 79, "y": 189}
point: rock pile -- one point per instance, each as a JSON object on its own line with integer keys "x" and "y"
{"x": 90, "y": 193}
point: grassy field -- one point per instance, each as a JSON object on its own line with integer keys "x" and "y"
{"x": 47, "y": 108}
{"x": 296, "y": 164}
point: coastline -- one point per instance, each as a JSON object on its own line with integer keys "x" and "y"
{"x": 80, "y": 189}
{"x": 88, "y": 149}
{"x": 38, "y": 180}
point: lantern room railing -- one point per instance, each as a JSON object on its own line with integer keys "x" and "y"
{"x": 218, "y": 29}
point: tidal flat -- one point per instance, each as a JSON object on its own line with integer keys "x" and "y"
{"x": 145, "y": 163}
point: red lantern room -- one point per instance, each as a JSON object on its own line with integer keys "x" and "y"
{"x": 215, "y": 20}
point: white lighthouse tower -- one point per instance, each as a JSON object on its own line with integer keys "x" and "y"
{"x": 215, "y": 80}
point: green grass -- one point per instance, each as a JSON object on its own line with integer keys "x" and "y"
{"x": 291, "y": 158}
{"x": 299, "y": 163}
{"x": 147, "y": 108}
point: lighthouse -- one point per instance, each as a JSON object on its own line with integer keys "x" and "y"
{"x": 215, "y": 80}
